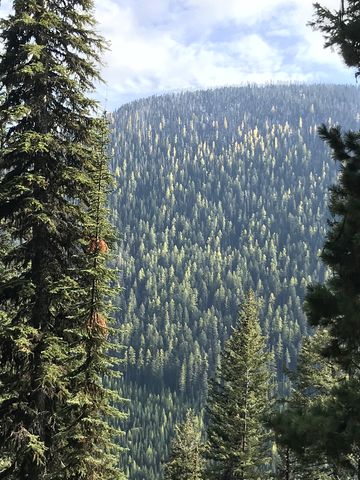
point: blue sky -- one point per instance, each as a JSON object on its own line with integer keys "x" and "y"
{"x": 167, "y": 45}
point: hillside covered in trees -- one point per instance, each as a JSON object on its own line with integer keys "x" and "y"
{"x": 216, "y": 192}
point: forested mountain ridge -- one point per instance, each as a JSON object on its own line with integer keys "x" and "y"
{"x": 216, "y": 192}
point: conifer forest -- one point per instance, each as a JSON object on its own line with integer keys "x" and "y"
{"x": 179, "y": 274}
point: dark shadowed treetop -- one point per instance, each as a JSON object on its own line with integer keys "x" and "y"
{"x": 335, "y": 304}
{"x": 186, "y": 460}
{"x": 341, "y": 29}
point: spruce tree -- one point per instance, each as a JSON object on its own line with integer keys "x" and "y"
{"x": 334, "y": 305}
{"x": 186, "y": 457}
{"x": 300, "y": 429}
{"x": 53, "y": 179}
{"x": 284, "y": 463}
{"x": 238, "y": 442}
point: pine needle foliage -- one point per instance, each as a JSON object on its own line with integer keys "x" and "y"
{"x": 54, "y": 408}
{"x": 335, "y": 304}
{"x": 186, "y": 458}
{"x": 341, "y": 29}
{"x": 238, "y": 401}
{"x": 301, "y": 429}
{"x": 333, "y": 425}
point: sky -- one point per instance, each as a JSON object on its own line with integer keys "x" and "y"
{"x": 159, "y": 46}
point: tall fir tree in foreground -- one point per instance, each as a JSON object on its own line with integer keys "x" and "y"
{"x": 239, "y": 398}
{"x": 54, "y": 300}
{"x": 329, "y": 428}
{"x": 186, "y": 460}
{"x": 335, "y": 305}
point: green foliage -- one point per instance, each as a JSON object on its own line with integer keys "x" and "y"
{"x": 324, "y": 427}
{"x": 284, "y": 463}
{"x": 341, "y": 30}
{"x": 186, "y": 460}
{"x": 335, "y": 304}
{"x": 299, "y": 428}
{"x": 238, "y": 401}
{"x": 207, "y": 209}
{"x": 54, "y": 297}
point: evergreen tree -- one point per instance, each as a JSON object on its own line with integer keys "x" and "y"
{"x": 284, "y": 463}
{"x": 335, "y": 304}
{"x": 341, "y": 29}
{"x": 53, "y": 175}
{"x": 238, "y": 401}
{"x": 333, "y": 424}
{"x": 195, "y": 232}
{"x": 186, "y": 457}
{"x": 299, "y": 428}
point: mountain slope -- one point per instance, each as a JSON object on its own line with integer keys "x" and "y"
{"x": 216, "y": 192}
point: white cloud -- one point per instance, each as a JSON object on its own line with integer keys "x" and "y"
{"x": 174, "y": 48}
{"x": 214, "y": 11}
{"x": 5, "y": 7}
{"x": 163, "y": 45}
